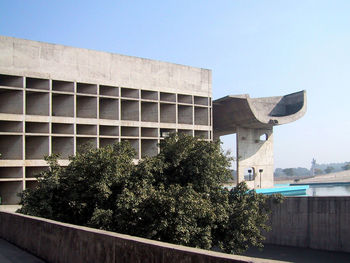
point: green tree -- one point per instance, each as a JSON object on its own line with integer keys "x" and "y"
{"x": 176, "y": 196}
{"x": 346, "y": 166}
{"x": 288, "y": 171}
{"x": 329, "y": 169}
{"x": 318, "y": 171}
{"x": 87, "y": 186}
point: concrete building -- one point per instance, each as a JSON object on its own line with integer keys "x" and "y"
{"x": 54, "y": 99}
{"x": 252, "y": 120}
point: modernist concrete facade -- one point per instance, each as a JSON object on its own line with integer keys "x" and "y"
{"x": 55, "y": 98}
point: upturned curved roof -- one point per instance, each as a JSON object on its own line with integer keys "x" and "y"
{"x": 240, "y": 110}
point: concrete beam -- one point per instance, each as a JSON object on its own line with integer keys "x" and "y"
{"x": 52, "y": 61}
{"x": 240, "y": 110}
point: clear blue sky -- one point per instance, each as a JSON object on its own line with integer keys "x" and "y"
{"x": 262, "y": 48}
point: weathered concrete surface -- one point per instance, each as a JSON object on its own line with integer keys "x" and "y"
{"x": 55, "y": 98}
{"x": 255, "y": 154}
{"x": 12, "y": 254}
{"x": 250, "y": 118}
{"x": 58, "y": 242}
{"x": 51, "y": 61}
{"x": 235, "y": 111}
{"x": 311, "y": 222}
{"x": 300, "y": 255}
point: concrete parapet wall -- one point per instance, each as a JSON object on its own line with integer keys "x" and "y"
{"x": 58, "y": 242}
{"x": 44, "y": 60}
{"x": 311, "y": 222}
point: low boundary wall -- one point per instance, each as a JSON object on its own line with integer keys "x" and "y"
{"x": 58, "y": 242}
{"x": 311, "y": 222}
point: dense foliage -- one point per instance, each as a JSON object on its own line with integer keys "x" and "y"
{"x": 346, "y": 166}
{"x": 292, "y": 172}
{"x": 329, "y": 169}
{"x": 176, "y": 196}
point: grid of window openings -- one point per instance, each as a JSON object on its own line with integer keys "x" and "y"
{"x": 40, "y": 116}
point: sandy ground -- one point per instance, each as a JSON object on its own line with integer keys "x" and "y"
{"x": 343, "y": 176}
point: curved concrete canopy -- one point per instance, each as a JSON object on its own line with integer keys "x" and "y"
{"x": 235, "y": 111}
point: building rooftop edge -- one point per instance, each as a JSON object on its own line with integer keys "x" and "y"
{"x": 101, "y": 51}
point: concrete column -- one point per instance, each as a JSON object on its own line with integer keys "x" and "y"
{"x": 50, "y": 115}
{"x": 23, "y": 132}
{"x": 158, "y": 129}
{"x": 119, "y": 114}
{"x": 98, "y": 117}
{"x": 75, "y": 119}
{"x": 253, "y": 151}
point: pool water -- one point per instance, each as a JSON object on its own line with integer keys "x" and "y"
{"x": 329, "y": 190}
{"x": 312, "y": 189}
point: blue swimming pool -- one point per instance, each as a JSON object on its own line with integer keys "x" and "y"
{"x": 329, "y": 189}
{"x": 286, "y": 190}
{"x": 311, "y": 189}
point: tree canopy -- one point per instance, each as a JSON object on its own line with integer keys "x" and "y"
{"x": 318, "y": 171}
{"x": 176, "y": 196}
{"x": 329, "y": 169}
{"x": 346, "y": 166}
{"x": 289, "y": 171}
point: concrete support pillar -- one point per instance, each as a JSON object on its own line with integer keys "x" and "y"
{"x": 255, "y": 152}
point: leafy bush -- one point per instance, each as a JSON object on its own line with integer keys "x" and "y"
{"x": 176, "y": 196}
